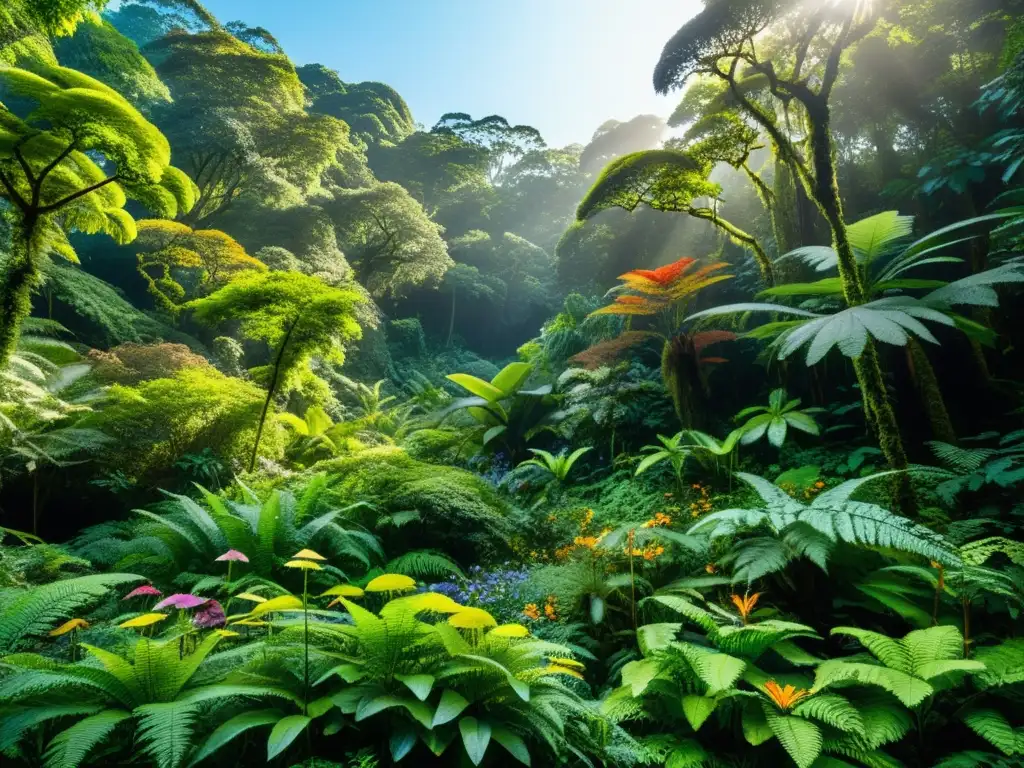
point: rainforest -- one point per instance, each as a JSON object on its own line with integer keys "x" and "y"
{"x": 337, "y": 439}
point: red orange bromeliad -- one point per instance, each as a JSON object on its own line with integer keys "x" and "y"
{"x": 784, "y": 698}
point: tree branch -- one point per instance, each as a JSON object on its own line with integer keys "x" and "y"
{"x": 17, "y": 199}
{"x": 55, "y": 162}
{"x": 78, "y": 194}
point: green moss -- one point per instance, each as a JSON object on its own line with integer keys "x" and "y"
{"x": 458, "y": 512}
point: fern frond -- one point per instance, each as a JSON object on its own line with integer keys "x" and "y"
{"x": 71, "y": 747}
{"x": 424, "y": 564}
{"x": 41, "y": 608}
{"x": 165, "y": 731}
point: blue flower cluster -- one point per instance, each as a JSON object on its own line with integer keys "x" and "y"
{"x": 501, "y": 591}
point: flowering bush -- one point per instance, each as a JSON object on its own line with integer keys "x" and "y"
{"x": 501, "y": 591}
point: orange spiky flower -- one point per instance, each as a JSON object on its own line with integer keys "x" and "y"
{"x": 745, "y": 605}
{"x": 784, "y": 698}
{"x": 663, "y": 276}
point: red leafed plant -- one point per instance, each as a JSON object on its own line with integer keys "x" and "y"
{"x": 664, "y": 295}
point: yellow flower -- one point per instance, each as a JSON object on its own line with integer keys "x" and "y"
{"x": 69, "y": 626}
{"x": 306, "y": 565}
{"x": 784, "y": 698}
{"x": 472, "y": 618}
{"x": 745, "y": 605}
{"x": 391, "y": 582}
{"x": 143, "y": 621}
{"x": 511, "y": 630}
{"x": 343, "y": 590}
{"x": 711, "y": 568}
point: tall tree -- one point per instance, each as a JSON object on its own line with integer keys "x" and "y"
{"x": 297, "y": 316}
{"x": 388, "y": 239}
{"x": 725, "y": 41}
{"x": 614, "y": 139}
{"x": 72, "y": 151}
{"x": 176, "y": 260}
{"x": 503, "y": 142}
{"x": 238, "y": 120}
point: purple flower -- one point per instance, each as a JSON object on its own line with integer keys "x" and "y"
{"x": 210, "y": 616}
{"x": 145, "y": 589}
{"x": 181, "y": 601}
{"x": 233, "y": 554}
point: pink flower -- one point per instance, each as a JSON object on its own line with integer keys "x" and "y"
{"x": 210, "y": 616}
{"x": 180, "y": 600}
{"x": 145, "y": 589}
{"x": 233, "y": 554}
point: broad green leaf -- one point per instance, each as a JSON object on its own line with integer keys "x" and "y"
{"x": 451, "y": 705}
{"x": 284, "y": 733}
{"x": 513, "y": 743}
{"x": 478, "y": 387}
{"x": 511, "y": 378}
{"x": 236, "y": 726}
{"x": 402, "y": 740}
{"x": 476, "y": 736}
{"x": 697, "y": 709}
{"x": 420, "y": 685}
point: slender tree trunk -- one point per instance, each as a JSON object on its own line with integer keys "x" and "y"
{"x": 825, "y": 192}
{"x": 451, "y": 320}
{"x": 271, "y": 389}
{"x": 35, "y": 503}
{"x": 928, "y": 389}
{"x": 16, "y": 289}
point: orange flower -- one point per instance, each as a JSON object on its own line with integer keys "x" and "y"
{"x": 745, "y": 605}
{"x": 531, "y": 611}
{"x": 820, "y": 484}
{"x": 549, "y": 609}
{"x": 784, "y": 698}
{"x": 711, "y": 568}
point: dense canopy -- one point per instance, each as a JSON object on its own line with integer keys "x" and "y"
{"x": 337, "y": 435}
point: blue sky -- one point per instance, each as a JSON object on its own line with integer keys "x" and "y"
{"x": 563, "y": 66}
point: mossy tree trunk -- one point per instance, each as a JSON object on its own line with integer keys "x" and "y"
{"x": 928, "y": 389}
{"x": 16, "y": 288}
{"x": 681, "y": 375}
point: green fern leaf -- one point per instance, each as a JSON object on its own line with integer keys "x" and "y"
{"x": 800, "y": 738}
{"x": 40, "y": 609}
{"x": 70, "y": 747}
{"x": 994, "y": 728}
{"x": 166, "y": 731}
{"x": 832, "y": 710}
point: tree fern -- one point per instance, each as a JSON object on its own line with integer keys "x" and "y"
{"x": 833, "y": 515}
{"x": 40, "y": 609}
{"x": 905, "y": 667}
